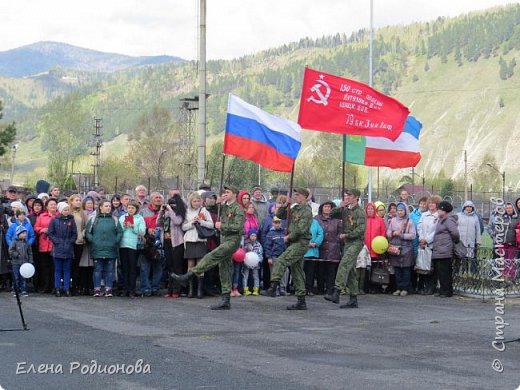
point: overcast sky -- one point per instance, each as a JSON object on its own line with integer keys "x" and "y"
{"x": 234, "y": 27}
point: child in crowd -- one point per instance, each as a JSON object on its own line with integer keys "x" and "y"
{"x": 252, "y": 245}
{"x": 20, "y": 252}
{"x": 274, "y": 247}
{"x": 20, "y": 220}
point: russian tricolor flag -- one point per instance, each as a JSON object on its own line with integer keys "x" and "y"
{"x": 255, "y": 135}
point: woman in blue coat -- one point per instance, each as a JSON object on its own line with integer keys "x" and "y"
{"x": 63, "y": 233}
{"x": 312, "y": 255}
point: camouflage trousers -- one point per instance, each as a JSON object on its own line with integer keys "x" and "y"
{"x": 292, "y": 257}
{"x": 347, "y": 268}
{"x": 220, "y": 256}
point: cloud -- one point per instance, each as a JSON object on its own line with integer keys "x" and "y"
{"x": 234, "y": 27}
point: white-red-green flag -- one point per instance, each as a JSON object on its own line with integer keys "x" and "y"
{"x": 404, "y": 152}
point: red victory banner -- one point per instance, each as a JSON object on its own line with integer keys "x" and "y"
{"x": 337, "y": 105}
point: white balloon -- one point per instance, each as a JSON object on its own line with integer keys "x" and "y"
{"x": 27, "y": 270}
{"x": 252, "y": 259}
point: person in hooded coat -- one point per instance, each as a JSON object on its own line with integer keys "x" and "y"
{"x": 469, "y": 231}
{"x": 446, "y": 236}
{"x": 375, "y": 226}
{"x": 401, "y": 232}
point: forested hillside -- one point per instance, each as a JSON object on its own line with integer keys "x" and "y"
{"x": 457, "y": 75}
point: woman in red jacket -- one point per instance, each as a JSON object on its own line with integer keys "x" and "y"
{"x": 375, "y": 226}
{"x": 46, "y": 266}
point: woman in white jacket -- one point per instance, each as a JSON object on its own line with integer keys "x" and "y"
{"x": 426, "y": 232}
{"x": 195, "y": 247}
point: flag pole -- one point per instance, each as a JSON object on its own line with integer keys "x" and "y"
{"x": 289, "y": 194}
{"x": 221, "y": 183}
{"x": 343, "y": 168}
{"x": 371, "y": 83}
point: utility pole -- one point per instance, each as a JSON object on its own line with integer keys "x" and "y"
{"x": 188, "y": 109}
{"x": 97, "y": 154}
{"x": 201, "y": 174}
{"x": 465, "y": 176}
{"x": 413, "y": 180}
{"x": 14, "y": 149}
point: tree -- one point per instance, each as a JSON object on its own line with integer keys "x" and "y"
{"x": 159, "y": 145}
{"x": 7, "y": 133}
{"x": 503, "y": 69}
{"x": 65, "y": 129}
{"x": 487, "y": 179}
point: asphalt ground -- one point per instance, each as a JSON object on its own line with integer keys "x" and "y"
{"x": 413, "y": 342}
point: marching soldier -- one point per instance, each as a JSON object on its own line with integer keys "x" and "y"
{"x": 231, "y": 226}
{"x": 298, "y": 240}
{"x": 354, "y": 223}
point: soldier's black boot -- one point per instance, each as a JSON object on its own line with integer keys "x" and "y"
{"x": 351, "y": 304}
{"x": 299, "y": 305}
{"x": 271, "y": 291}
{"x": 190, "y": 288}
{"x": 184, "y": 279}
{"x": 200, "y": 287}
{"x": 224, "y": 303}
{"x": 333, "y": 296}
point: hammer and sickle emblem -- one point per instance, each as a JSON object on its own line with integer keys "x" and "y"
{"x": 321, "y": 97}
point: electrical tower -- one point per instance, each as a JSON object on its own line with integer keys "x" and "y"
{"x": 186, "y": 142}
{"x": 98, "y": 141}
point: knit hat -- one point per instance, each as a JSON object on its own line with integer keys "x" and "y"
{"x": 252, "y": 231}
{"x": 208, "y": 194}
{"x": 401, "y": 206}
{"x": 43, "y": 195}
{"x": 276, "y": 219}
{"x": 445, "y": 206}
{"x": 379, "y": 203}
{"x": 20, "y": 229}
{"x": 18, "y": 204}
{"x": 62, "y": 206}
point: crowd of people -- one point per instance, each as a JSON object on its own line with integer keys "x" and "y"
{"x": 151, "y": 246}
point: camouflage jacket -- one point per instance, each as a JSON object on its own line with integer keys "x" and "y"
{"x": 232, "y": 219}
{"x": 354, "y": 221}
{"x": 300, "y": 222}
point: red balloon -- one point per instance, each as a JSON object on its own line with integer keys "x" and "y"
{"x": 239, "y": 255}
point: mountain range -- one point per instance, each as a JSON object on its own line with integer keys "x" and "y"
{"x": 41, "y": 57}
{"x": 457, "y": 75}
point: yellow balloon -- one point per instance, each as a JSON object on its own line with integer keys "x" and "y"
{"x": 379, "y": 244}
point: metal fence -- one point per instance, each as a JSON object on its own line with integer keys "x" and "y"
{"x": 486, "y": 276}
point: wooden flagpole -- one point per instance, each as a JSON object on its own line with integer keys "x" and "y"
{"x": 289, "y": 196}
{"x": 221, "y": 183}
{"x": 343, "y": 168}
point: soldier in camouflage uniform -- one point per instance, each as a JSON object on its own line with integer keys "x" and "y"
{"x": 298, "y": 240}
{"x": 354, "y": 223}
{"x": 231, "y": 226}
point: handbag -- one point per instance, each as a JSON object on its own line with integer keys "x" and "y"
{"x": 380, "y": 274}
{"x": 140, "y": 242}
{"x": 204, "y": 232}
{"x": 423, "y": 263}
{"x": 459, "y": 250}
{"x": 363, "y": 259}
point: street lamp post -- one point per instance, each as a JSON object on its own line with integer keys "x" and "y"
{"x": 503, "y": 174}
{"x": 421, "y": 176}
{"x": 159, "y": 184}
